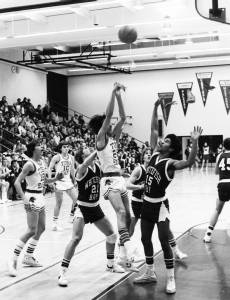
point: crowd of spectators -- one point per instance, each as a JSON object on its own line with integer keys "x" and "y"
{"x": 21, "y": 122}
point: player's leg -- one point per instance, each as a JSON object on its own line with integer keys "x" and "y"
{"x": 178, "y": 254}
{"x": 77, "y": 233}
{"x": 121, "y": 213}
{"x": 214, "y": 218}
{"x": 73, "y": 194}
{"x": 146, "y": 239}
{"x": 32, "y": 222}
{"x": 29, "y": 259}
{"x": 105, "y": 227}
{"x": 163, "y": 233}
{"x": 57, "y": 207}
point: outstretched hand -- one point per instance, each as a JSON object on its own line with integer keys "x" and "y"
{"x": 118, "y": 86}
{"x": 197, "y": 131}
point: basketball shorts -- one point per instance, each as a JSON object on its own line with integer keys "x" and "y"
{"x": 90, "y": 214}
{"x": 36, "y": 202}
{"x": 206, "y": 157}
{"x": 224, "y": 191}
{"x": 114, "y": 183}
{"x": 155, "y": 212}
{"x": 64, "y": 185}
{"x": 136, "y": 208}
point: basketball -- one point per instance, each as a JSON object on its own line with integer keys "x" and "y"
{"x": 127, "y": 34}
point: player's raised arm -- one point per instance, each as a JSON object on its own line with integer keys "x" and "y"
{"x": 118, "y": 128}
{"x": 86, "y": 163}
{"x": 106, "y": 123}
{"x": 182, "y": 164}
{"x": 154, "y": 125}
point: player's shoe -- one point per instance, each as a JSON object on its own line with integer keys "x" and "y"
{"x": 147, "y": 277}
{"x": 55, "y": 227}
{"x": 180, "y": 255}
{"x": 207, "y": 238}
{"x": 171, "y": 285}
{"x": 129, "y": 266}
{"x": 115, "y": 269}
{"x": 30, "y": 261}
{"x": 62, "y": 281}
{"x": 12, "y": 268}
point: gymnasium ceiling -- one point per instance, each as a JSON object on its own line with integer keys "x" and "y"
{"x": 171, "y": 34}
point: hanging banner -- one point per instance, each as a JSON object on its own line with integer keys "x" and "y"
{"x": 166, "y": 104}
{"x": 225, "y": 89}
{"x": 204, "y": 80}
{"x": 184, "y": 89}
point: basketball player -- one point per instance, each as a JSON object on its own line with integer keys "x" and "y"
{"x": 112, "y": 182}
{"x": 34, "y": 172}
{"x": 136, "y": 184}
{"x": 155, "y": 209}
{"x": 63, "y": 163}
{"x": 205, "y": 158}
{"x": 88, "y": 177}
{"x": 223, "y": 170}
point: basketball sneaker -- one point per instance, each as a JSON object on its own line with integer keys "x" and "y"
{"x": 207, "y": 238}
{"x": 171, "y": 285}
{"x": 129, "y": 266}
{"x": 12, "y": 268}
{"x": 55, "y": 227}
{"x": 147, "y": 277}
{"x": 62, "y": 281}
{"x": 115, "y": 268}
{"x": 179, "y": 254}
{"x": 30, "y": 261}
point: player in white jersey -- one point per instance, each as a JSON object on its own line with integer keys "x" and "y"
{"x": 35, "y": 173}
{"x": 63, "y": 163}
{"x": 112, "y": 182}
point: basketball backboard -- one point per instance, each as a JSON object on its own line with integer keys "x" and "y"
{"x": 215, "y": 10}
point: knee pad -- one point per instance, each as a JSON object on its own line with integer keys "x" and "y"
{"x": 111, "y": 239}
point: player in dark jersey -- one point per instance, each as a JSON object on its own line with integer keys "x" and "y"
{"x": 155, "y": 209}
{"x": 223, "y": 170}
{"x": 88, "y": 177}
{"x": 136, "y": 184}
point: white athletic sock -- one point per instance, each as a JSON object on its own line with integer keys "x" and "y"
{"x": 170, "y": 272}
{"x": 31, "y": 247}
{"x": 122, "y": 252}
{"x": 18, "y": 248}
{"x": 110, "y": 263}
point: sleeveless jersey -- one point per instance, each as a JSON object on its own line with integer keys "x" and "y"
{"x": 64, "y": 166}
{"x": 139, "y": 193}
{"x": 157, "y": 179}
{"x": 89, "y": 185}
{"x": 36, "y": 180}
{"x": 108, "y": 157}
{"x": 223, "y": 161}
{"x": 206, "y": 150}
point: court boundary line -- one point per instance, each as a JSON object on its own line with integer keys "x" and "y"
{"x": 121, "y": 280}
{"x": 48, "y": 267}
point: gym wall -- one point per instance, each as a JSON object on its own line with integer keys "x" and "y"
{"x": 18, "y": 82}
{"x": 90, "y": 95}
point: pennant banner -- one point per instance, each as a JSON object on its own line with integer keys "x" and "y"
{"x": 225, "y": 89}
{"x": 204, "y": 80}
{"x": 184, "y": 89}
{"x": 166, "y": 104}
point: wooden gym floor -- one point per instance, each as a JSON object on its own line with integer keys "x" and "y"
{"x": 204, "y": 275}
